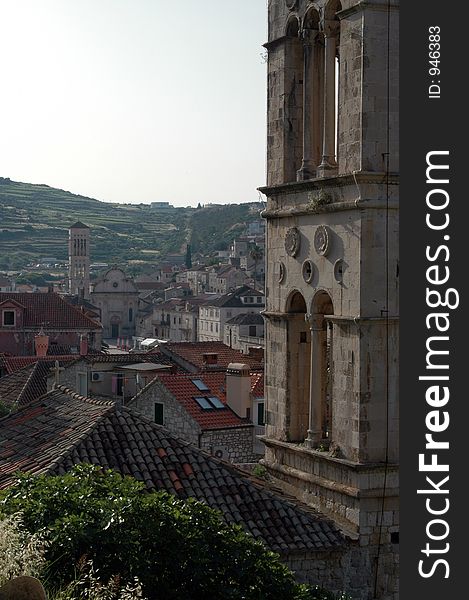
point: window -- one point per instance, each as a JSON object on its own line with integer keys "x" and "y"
{"x": 159, "y": 413}
{"x": 203, "y": 402}
{"x": 252, "y": 331}
{"x": 260, "y": 414}
{"x": 211, "y": 326}
{"x": 216, "y": 327}
{"x": 217, "y": 403}
{"x": 200, "y": 385}
{"x": 131, "y": 315}
{"x": 8, "y": 318}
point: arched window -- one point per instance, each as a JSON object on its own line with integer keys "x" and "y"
{"x": 331, "y": 30}
{"x": 320, "y": 429}
{"x": 299, "y": 354}
{"x": 293, "y": 101}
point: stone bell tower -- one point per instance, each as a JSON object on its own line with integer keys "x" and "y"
{"x": 79, "y": 259}
{"x": 332, "y": 278}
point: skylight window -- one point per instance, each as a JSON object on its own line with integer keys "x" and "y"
{"x": 217, "y": 403}
{"x": 200, "y": 385}
{"x": 203, "y": 402}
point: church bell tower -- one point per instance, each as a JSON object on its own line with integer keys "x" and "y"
{"x": 79, "y": 259}
{"x": 333, "y": 274}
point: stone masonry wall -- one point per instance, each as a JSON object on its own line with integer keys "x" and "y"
{"x": 236, "y": 444}
{"x": 176, "y": 419}
{"x": 352, "y": 570}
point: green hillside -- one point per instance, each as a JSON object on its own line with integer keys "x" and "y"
{"x": 34, "y": 221}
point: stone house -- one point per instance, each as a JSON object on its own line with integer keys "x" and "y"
{"x": 116, "y": 295}
{"x": 245, "y": 331}
{"x": 110, "y": 376}
{"x": 210, "y": 410}
{"x": 197, "y": 278}
{"x": 195, "y": 357}
{"x": 177, "y": 319}
{"x": 214, "y": 315}
{"x": 224, "y": 279}
{"x": 24, "y": 315}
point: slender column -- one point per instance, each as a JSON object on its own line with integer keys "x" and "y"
{"x": 316, "y": 380}
{"x": 309, "y": 163}
{"x": 328, "y": 162}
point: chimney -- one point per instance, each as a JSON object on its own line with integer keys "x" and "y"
{"x": 41, "y": 343}
{"x": 257, "y": 353}
{"x": 210, "y": 358}
{"x": 83, "y": 345}
{"x": 238, "y": 389}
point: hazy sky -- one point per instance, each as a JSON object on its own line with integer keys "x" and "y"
{"x": 135, "y": 100}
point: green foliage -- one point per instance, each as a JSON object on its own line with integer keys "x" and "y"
{"x": 32, "y": 218}
{"x": 177, "y": 549}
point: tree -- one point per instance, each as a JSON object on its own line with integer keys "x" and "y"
{"x": 177, "y": 549}
{"x": 188, "y": 256}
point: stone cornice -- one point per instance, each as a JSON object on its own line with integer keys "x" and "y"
{"x": 335, "y": 181}
{"x": 366, "y": 5}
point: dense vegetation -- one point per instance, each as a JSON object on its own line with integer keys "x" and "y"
{"x": 35, "y": 219}
{"x": 176, "y": 549}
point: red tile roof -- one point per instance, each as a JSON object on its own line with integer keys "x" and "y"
{"x": 14, "y": 363}
{"x": 63, "y": 429}
{"x": 12, "y": 385}
{"x": 182, "y": 388}
{"x": 257, "y": 385}
{"x": 192, "y": 353}
{"x": 49, "y": 310}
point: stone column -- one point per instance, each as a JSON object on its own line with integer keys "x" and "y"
{"x": 316, "y": 379}
{"x": 328, "y": 164}
{"x": 309, "y": 163}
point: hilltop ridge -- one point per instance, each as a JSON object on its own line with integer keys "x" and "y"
{"x": 35, "y": 219}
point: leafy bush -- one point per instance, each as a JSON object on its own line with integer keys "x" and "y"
{"x": 177, "y": 549}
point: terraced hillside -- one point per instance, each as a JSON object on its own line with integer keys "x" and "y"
{"x": 34, "y": 221}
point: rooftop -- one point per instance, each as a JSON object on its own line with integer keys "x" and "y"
{"x": 246, "y": 319}
{"x": 49, "y": 310}
{"x": 63, "y": 429}
{"x": 184, "y": 390}
{"x": 190, "y": 355}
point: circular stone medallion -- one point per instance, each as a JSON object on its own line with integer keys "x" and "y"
{"x": 308, "y": 271}
{"x": 291, "y": 4}
{"x": 321, "y": 240}
{"x": 292, "y": 241}
{"x": 339, "y": 270}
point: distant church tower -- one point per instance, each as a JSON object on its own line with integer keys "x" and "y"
{"x": 332, "y": 277}
{"x": 79, "y": 259}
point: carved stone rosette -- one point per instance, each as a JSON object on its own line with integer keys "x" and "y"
{"x": 322, "y": 243}
{"x": 292, "y": 241}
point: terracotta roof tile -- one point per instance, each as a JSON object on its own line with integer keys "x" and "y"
{"x": 97, "y": 433}
{"x": 257, "y": 385}
{"x": 15, "y": 363}
{"x": 182, "y": 388}
{"x": 192, "y": 353}
{"x": 49, "y": 310}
